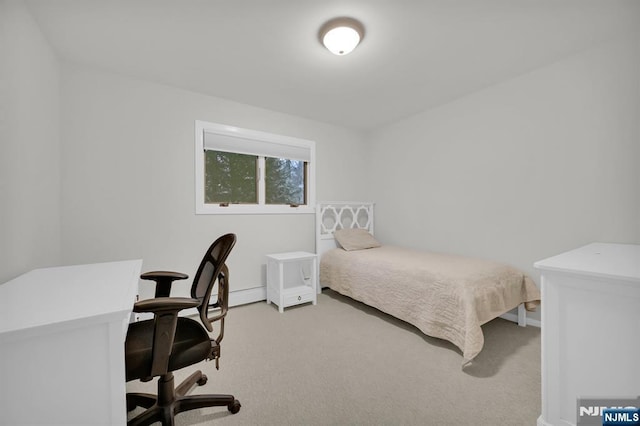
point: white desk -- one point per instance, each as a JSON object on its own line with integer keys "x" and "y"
{"x": 62, "y": 333}
{"x": 590, "y": 324}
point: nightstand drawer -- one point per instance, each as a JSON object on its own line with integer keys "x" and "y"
{"x": 296, "y": 296}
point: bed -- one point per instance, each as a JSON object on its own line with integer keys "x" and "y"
{"x": 445, "y": 296}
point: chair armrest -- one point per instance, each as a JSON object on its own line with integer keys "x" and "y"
{"x": 163, "y": 305}
{"x": 163, "y": 280}
{"x": 165, "y": 310}
{"x": 163, "y": 274}
{"x": 222, "y": 303}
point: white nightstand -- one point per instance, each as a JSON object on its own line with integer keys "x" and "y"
{"x": 291, "y": 278}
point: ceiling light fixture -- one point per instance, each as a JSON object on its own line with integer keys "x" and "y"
{"x": 341, "y": 35}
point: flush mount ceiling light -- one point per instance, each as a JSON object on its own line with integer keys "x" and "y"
{"x": 341, "y": 35}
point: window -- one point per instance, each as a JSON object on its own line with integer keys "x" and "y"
{"x": 245, "y": 171}
{"x": 230, "y": 178}
{"x": 285, "y": 181}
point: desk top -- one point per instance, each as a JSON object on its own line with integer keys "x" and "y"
{"x": 620, "y": 261}
{"x": 62, "y": 295}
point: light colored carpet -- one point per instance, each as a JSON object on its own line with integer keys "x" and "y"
{"x": 343, "y": 363}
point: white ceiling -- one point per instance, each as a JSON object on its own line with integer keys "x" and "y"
{"x": 415, "y": 54}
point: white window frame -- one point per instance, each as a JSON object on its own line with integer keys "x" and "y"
{"x": 274, "y": 142}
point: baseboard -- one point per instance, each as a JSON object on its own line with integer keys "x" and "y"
{"x": 236, "y": 298}
{"x": 542, "y": 422}
{"x": 249, "y": 295}
{"x": 514, "y": 318}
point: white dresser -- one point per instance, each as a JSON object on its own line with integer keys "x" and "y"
{"x": 62, "y": 333}
{"x": 590, "y": 328}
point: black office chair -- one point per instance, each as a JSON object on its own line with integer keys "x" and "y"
{"x": 166, "y": 343}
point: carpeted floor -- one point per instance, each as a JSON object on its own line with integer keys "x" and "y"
{"x": 343, "y": 363}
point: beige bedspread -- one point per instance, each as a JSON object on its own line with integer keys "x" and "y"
{"x": 445, "y": 296}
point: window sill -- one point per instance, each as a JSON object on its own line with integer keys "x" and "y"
{"x": 252, "y": 209}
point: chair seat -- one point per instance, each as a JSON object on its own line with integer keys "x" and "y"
{"x": 192, "y": 344}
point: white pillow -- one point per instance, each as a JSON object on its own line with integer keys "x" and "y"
{"x": 355, "y": 239}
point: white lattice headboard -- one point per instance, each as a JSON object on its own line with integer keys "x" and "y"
{"x": 331, "y": 216}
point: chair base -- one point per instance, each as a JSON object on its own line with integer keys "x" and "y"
{"x": 171, "y": 401}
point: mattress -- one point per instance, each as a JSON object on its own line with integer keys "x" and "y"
{"x": 445, "y": 296}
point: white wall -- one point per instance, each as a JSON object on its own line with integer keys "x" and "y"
{"x": 520, "y": 171}
{"x": 29, "y": 145}
{"x": 128, "y": 176}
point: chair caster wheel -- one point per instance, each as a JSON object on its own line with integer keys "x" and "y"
{"x": 234, "y": 407}
{"x": 202, "y": 381}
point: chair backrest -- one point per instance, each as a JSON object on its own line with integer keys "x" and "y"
{"x": 212, "y": 269}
